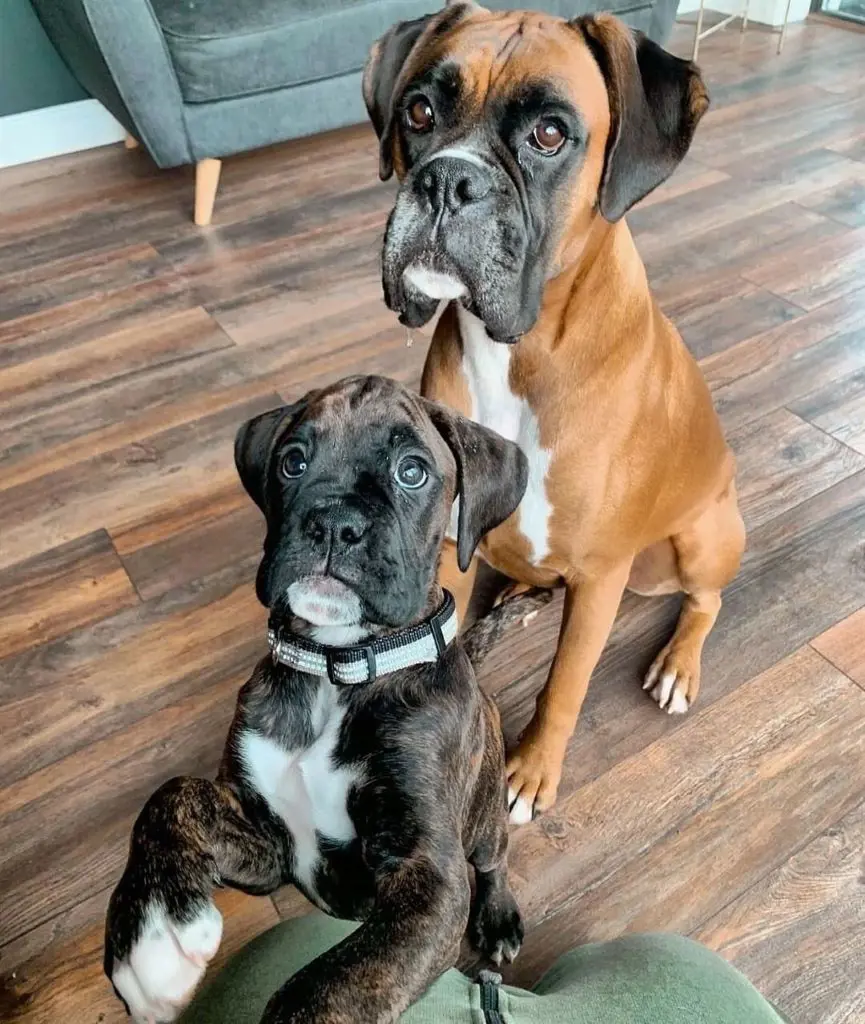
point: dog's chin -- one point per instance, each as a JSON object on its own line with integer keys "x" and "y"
{"x": 432, "y": 284}
{"x": 423, "y": 289}
{"x": 324, "y": 601}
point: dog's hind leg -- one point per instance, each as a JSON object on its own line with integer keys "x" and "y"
{"x": 162, "y": 927}
{"x": 708, "y": 554}
{"x": 483, "y": 634}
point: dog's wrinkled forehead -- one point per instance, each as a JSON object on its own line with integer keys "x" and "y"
{"x": 485, "y": 60}
{"x": 357, "y": 409}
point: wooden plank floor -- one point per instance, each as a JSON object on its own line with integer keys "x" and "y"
{"x": 133, "y": 344}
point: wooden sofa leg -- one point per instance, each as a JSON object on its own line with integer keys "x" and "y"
{"x": 206, "y": 183}
{"x": 130, "y": 141}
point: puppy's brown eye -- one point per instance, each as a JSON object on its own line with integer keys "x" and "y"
{"x": 294, "y": 463}
{"x": 547, "y": 137}
{"x": 419, "y": 116}
{"x": 410, "y": 474}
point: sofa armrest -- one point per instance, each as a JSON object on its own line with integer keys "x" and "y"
{"x": 116, "y": 50}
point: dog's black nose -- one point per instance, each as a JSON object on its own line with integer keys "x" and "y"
{"x": 342, "y": 525}
{"x": 453, "y": 182}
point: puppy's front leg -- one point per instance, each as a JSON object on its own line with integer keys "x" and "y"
{"x": 410, "y": 938}
{"x": 535, "y": 768}
{"x": 162, "y": 927}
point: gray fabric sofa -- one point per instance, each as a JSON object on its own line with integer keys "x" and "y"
{"x": 198, "y": 80}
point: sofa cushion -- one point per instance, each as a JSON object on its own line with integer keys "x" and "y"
{"x": 227, "y": 48}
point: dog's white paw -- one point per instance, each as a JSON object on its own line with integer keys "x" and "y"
{"x": 167, "y": 963}
{"x": 521, "y": 811}
{"x": 669, "y": 687}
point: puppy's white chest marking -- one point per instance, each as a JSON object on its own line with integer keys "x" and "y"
{"x": 304, "y": 787}
{"x": 486, "y": 365}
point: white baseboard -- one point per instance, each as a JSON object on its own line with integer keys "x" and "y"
{"x": 764, "y": 12}
{"x": 52, "y": 131}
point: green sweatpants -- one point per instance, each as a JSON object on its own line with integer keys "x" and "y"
{"x": 640, "y": 979}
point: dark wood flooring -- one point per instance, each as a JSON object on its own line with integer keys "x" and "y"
{"x": 132, "y": 344}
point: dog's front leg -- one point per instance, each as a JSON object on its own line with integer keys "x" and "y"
{"x": 410, "y": 938}
{"x": 535, "y": 768}
{"x": 162, "y": 927}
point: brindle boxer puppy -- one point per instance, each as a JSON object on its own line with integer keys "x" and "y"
{"x": 366, "y": 774}
{"x": 520, "y": 141}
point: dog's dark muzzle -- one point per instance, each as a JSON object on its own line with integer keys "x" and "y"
{"x": 330, "y": 536}
{"x": 461, "y": 217}
{"x": 450, "y": 185}
{"x": 335, "y": 526}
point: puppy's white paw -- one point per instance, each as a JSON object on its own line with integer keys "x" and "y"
{"x": 167, "y": 963}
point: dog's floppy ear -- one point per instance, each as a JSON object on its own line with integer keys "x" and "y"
{"x": 492, "y": 474}
{"x": 656, "y": 102}
{"x": 253, "y": 447}
{"x": 383, "y": 66}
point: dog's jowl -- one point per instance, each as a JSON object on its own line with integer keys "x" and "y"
{"x": 520, "y": 141}
{"x": 363, "y": 762}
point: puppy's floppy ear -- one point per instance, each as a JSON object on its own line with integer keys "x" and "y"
{"x": 383, "y": 67}
{"x": 656, "y": 102}
{"x": 492, "y": 474}
{"x": 253, "y": 448}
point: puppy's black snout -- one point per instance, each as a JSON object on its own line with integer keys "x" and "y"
{"x": 341, "y": 525}
{"x": 452, "y": 182}
{"x": 315, "y": 530}
{"x": 351, "y": 533}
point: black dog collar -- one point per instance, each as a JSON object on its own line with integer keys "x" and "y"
{"x": 365, "y": 662}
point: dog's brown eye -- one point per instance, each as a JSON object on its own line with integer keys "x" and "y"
{"x": 294, "y": 463}
{"x": 420, "y": 115}
{"x": 547, "y": 136}
{"x": 410, "y": 474}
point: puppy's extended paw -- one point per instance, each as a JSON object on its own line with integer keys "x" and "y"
{"x": 496, "y": 926}
{"x": 673, "y": 681}
{"x": 166, "y": 963}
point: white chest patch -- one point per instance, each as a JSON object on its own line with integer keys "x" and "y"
{"x": 304, "y": 787}
{"x": 486, "y": 364}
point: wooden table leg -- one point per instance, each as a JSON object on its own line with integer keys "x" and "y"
{"x": 206, "y": 183}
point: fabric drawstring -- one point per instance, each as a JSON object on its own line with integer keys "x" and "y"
{"x": 490, "y": 983}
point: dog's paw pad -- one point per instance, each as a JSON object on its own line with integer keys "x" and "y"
{"x": 166, "y": 963}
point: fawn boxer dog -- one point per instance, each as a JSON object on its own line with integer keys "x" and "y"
{"x": 363, "y": 764}
{"x": 520, "y": 141}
